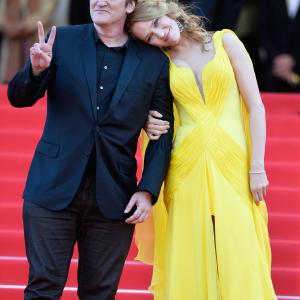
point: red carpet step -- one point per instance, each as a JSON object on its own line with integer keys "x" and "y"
{"x": 13, "y": 245}
{"x": 27, "y": 140}
{"x": 283, "y": 104}
{"x": 283, "y": 200}
{"x": 284, "y": 126}
{"x": 291, "y": 279}
{"x": 14, "y": 270}
{"x": 283, "y": 149}
{"x": 284, "y": 174}
{"x": 16, "y": 293}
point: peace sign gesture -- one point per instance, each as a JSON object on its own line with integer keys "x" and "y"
{"x": 41, "y": 52}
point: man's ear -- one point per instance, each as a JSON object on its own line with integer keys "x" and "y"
{"x": 130, "y": 7}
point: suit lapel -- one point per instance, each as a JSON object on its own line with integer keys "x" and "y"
{"x": 88, "y": 54}
{"x": 130, "y": 64}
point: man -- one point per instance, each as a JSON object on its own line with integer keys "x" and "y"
{"x": 220, "y": 13}
{"x": 81, "y": 185}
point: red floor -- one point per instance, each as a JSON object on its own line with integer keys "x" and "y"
{"x": 19, "y": 133}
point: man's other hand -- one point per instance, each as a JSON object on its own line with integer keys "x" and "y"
{"x": 143, "y": 202}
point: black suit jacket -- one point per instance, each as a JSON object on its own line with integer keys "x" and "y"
{"x": 279, "y": 33}
{"x": 72, "y": 128}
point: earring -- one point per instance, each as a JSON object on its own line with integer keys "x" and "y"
{"x": 180, "y": 26}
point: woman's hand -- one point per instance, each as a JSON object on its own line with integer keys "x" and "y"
{"x": 155, "y": 127}
{"x": 258, "y": 185}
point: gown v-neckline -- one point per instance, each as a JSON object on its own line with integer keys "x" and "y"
{"x": 200, "y": 87}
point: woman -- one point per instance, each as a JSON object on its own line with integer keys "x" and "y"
{"x": 211, "y": 237}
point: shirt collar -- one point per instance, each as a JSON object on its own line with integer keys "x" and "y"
{"x": 99, "y": 41}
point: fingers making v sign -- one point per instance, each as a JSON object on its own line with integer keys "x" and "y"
{"x": 41, "y": 52}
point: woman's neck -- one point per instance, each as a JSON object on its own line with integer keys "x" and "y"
{"x": 184, "y": 44}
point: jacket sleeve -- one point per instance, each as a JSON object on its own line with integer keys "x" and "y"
{"x": 24, "y": 89}
{"x": 158, "y": 153}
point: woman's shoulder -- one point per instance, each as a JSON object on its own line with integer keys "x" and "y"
{"x": 225, "y": 34}
{"x": 233, "y": 46}
{"x": 226, "y": 38}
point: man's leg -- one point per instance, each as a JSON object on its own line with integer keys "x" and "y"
{"x": 49, "y": 237}
{"x": 103, "y": 247}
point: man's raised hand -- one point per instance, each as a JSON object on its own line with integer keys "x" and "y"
{"x": 41, "y": 52}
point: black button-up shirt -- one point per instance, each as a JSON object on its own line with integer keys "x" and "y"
{"x": 109, "y": 64}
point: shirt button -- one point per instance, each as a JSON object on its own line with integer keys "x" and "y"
{"x": 98, "y": 107}
{"x": 105, "y": 67}
{"x": 101, "y": 87}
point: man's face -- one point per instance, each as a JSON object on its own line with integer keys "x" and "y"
{"x": 106, "y": 12}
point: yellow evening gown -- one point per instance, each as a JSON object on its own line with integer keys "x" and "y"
{"x": 211, "y": 239}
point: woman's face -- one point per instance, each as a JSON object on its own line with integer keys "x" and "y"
{"x": 160, "y": 32}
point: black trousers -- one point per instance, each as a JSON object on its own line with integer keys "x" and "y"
{"x": 50, "y": 237}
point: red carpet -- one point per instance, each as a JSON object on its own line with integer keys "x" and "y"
{"x": 19, "y": 132}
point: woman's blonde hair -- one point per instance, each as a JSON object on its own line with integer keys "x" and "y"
{"x": 146, "y": 10}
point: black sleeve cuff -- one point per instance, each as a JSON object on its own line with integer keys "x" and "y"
{"x": 37, "y": 79}
{"x": 153, "y": 197}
